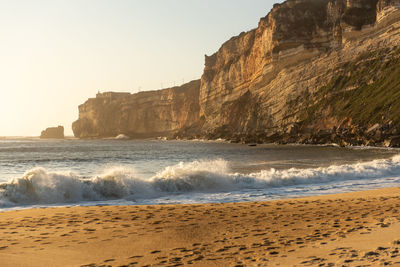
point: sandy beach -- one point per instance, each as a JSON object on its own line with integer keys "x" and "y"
{"x": 360, "y": 228}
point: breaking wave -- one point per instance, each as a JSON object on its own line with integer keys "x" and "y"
{"x": 39, "y": 186}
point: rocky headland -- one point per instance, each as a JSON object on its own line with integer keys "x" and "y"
{"x": 313, "y": 71}
{"x": 142, "y": 115}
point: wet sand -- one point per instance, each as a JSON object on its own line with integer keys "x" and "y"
{"x": 361, "y": 228}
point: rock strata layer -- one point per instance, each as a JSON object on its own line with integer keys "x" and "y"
{"x": 313, "y": 71}
{"x": 53, "y": 133}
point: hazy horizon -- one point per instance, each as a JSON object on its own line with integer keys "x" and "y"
{"x": 57, "y": 54}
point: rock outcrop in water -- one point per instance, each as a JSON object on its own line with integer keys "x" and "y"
{"x": 53, "y": 133}
{"x": 313, "y": 71}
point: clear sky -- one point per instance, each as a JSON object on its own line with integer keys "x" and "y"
{"x": 54, "y": 54}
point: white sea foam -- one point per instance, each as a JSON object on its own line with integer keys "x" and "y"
{"x": 39, "y": 186}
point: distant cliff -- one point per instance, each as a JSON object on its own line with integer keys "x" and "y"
{"x": 141, "y": 115}
{"x": 313, "y": 71}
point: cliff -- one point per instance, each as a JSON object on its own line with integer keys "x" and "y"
{"x": 141, "y": 115}
{"x": 53, "y": 133}
{"x": 313, "y": 71}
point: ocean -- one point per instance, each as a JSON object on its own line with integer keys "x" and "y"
{"x": 43, "y": 173}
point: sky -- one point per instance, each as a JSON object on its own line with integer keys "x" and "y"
{"x": 55, "y": 54}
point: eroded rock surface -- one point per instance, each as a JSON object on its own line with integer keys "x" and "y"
{"x": 313, "y": 71}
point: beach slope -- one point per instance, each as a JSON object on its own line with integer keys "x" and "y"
{"x": 360, "y": 228}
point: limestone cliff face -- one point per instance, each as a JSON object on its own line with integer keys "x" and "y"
{"x": 291, "y": 35}
{"x": 276, "y": 71}
{"x": 145, "y": 114}
{"x": 297, "y": 77}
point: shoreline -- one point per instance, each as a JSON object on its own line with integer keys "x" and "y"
{"x": 331, "y": 230}
{"x": 211, "y": 141}
{"x": 199, "y": 140}
{"x": 111, "y": 203}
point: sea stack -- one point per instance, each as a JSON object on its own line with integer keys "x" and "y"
{"x": 53, "y": 133}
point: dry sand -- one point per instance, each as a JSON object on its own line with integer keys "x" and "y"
{"x": 355, "y": 229}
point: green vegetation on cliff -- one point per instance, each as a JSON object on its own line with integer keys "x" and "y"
{"x": 367, "y": 90}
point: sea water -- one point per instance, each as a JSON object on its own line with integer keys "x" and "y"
{"x": 41, "y": 173}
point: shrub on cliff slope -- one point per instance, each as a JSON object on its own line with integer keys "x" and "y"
{"x": 366, "y": 90}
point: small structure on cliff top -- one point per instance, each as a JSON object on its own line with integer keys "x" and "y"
{"x": 53, "y": 133}
{"x": 112, "y": 95}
